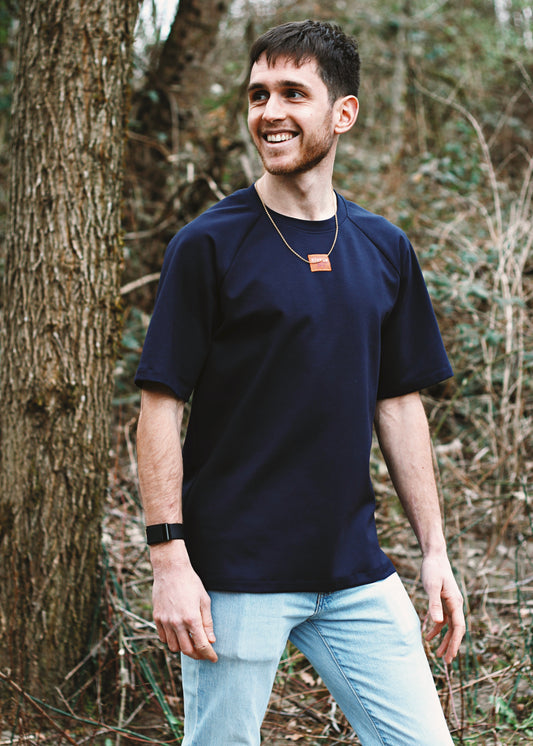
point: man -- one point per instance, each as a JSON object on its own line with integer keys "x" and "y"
{"x": 298, "y": 319}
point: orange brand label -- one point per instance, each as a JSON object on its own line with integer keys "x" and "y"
{"x": 319, "y": 262}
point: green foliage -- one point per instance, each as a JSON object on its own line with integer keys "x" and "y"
{"x": 457, "y": 178}
{"x": 508, "y": 717}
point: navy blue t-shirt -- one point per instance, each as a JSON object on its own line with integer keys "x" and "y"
{"x": 285, "y": 366}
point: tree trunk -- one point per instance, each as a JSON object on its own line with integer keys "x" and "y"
{"x": 60, "y": 328}
{"x": 178, "y": 142}
{"x": 183, "y": 61}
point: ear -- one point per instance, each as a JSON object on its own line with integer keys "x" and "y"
{"x": 347, "y": 109}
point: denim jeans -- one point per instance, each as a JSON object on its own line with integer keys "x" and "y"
{"x": 364, "y": 642}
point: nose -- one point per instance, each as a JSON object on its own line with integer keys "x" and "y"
{"x": 274, "y": 110}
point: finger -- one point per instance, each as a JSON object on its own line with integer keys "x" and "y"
{"x": 195, "y": 644}
{"x": 202, "y": 644}
{"x": 442, "y": 650}
{"x": 203, "y": 648}
{"x": 434, "y": 631}
{"x": 451, "y": 651}
{"x": 435, "y": 609}
{"x": 186, "y": 643}
{"x": 451, "y": 642}
{"x": 207, "y": 620}
{"x": 170, "y": 638}
{"x": 160, "y": 631}
{"x": 455, "y": 618}
{"x": 435, "y": 614}
{"x": 455, "y": 635}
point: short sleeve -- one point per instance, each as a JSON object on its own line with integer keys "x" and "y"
{"x": 412, "y": 352}
{"x": 184, "y": 317}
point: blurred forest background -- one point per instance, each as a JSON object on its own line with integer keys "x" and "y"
{"x": 443, "y": 147}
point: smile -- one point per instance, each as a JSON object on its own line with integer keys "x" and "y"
{"x": 279, "y": 137}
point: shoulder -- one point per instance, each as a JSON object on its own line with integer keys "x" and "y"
{"x": 239, "y": 208}
{"x": 390, "y": 240}
{"x": 217, "y": 233}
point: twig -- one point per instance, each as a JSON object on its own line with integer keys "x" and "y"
{"x": 135, "y": 617}
{"x": 93, "y": 723}
{"x": 93, "y": 651}
{"x": 484, "y": 147}
{"x": 135, "y": 284}
{"x": 452, "y": 702}
{"x": 123, "y": 685}
{"x": 36, "y": 706}
{"x": 214, "y": 187}
{"x": 487, "y": 677}
{"x": 159, "y": 227}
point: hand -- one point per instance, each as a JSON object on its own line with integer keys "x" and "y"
{"x": 181, "y": 606}
{"x": 445, "y": 604}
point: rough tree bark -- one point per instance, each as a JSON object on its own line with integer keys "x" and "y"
{"x": 60, "y": 328}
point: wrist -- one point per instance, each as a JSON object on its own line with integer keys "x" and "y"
{"x": 432, "y": 541}
{"x": 434, "y": 548}
{"x": 169, "y": 554}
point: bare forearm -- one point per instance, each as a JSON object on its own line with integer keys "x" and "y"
{"x": 403, "y": 434}
{"x": 181, "y": 605}
{"x": 159, "y": 457}
{"x": 160, "y": 470}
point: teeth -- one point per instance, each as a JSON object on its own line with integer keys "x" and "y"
{"x": 281, "y": 137}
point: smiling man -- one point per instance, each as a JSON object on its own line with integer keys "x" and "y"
{"x": 295, "y": 144}
{"x": 299, "y": 320}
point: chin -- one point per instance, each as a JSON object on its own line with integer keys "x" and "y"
{"x": 295, "y": 166}
{"x": 281, "y": 167}
{"x": 292, "y": 169}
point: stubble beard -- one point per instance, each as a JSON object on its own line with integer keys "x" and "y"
{"x": 313, "y": 154}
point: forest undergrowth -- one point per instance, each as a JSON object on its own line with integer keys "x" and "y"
{"x": 472, "y": 225}
{"x": 128, "y": 691}
{"x": 128, "y": 688}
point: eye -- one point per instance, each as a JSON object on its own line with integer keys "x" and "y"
{"x": 257, "y": 96}
{"x": 294, "y": 94}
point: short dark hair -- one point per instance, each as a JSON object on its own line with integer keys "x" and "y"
{"x": 335, "y": 53}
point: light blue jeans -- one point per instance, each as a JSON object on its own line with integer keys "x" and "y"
{"x": 364, "y": 642}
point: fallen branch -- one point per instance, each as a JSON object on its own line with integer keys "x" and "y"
{"x": 34, "y": 704}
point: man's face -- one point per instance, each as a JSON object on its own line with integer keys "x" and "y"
{"x": 290, "y": 116}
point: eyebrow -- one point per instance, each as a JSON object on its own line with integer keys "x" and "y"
{"x": 280, "y": 84}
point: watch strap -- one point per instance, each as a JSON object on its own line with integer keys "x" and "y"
{"x": 161, "y": 532}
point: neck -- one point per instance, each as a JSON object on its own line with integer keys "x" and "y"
{"x": 302, "y": 197}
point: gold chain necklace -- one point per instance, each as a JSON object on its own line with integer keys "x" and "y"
{"x": 317, "y": 262}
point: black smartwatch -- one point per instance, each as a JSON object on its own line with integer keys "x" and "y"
{"x": 161, "y": 532}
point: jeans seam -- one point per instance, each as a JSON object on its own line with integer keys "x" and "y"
{"x": 347, "y": 680}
